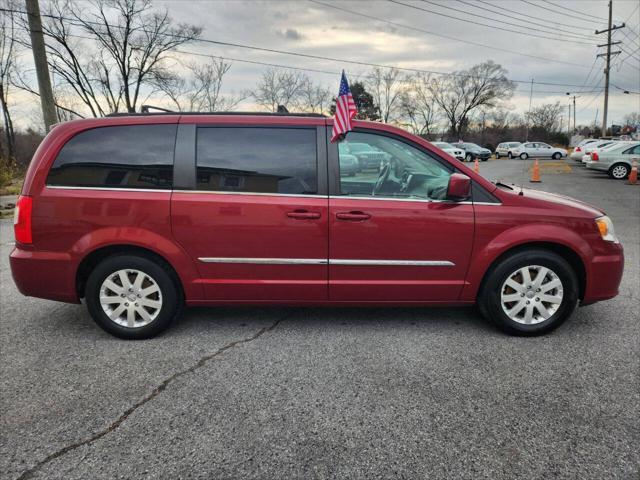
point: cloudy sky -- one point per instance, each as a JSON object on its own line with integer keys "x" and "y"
{"x": 434, "y": 35}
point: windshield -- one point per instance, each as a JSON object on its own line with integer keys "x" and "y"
{"x": 472, "y": 145}
{"x": 442, "y": 145}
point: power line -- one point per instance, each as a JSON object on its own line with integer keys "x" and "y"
{"x": 320, "y": 57}
{"x": 482, "y": 24}
{"x": 570, "y": 10}
{"x": 504, "y": 22}
{"x": 498, "y": 12}
{"x": 502, "y": 7}
{"x": 561, "y": 13}
{"x": 457, "y": 39}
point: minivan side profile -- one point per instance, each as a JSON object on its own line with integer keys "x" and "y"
{"x": 141, "y": 215}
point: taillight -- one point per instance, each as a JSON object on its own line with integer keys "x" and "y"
{"x": 594, "y": 156}
{"x": 22, "y": 220}
{"x": 578, "y": 149}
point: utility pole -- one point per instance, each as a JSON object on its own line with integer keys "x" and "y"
{"x": 42, "y": 68}
{"x": 607, "y": 68}
{"x": 526, "y": 137}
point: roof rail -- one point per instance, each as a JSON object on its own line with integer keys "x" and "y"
{"x": 146, "y": 110}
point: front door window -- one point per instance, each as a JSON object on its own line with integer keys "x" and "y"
{"x": 390, "y": 168}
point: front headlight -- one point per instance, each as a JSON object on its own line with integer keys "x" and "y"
{"x": 605, "y": 227}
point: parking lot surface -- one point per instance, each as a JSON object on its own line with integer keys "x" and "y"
{"x": 330, "y": 393}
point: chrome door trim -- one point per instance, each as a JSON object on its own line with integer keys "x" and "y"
{"x": 423, "y": 200}
{"x": 260, "y": 194}
{"x": 110, "y": 189}
{"x": 321, "y": 261}
{"x": 265, "y": 261}
{"x": 392, "y": 263}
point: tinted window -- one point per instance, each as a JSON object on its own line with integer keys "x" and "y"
{"x": 393, "y": 169}
{"x": 132, "y": 156}
{"x": 633, "y": 151}
{"x": 260, "y": 160}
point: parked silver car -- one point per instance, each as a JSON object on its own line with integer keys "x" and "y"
{"x": 505, "y": 149}
{"x": 455, "y": 152}
{"x": 617, "y": 160}
{"x": 580, "y": 151}
{"x": 538, "y": 150}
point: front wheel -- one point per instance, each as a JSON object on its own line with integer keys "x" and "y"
{"x": 524, "y": 156}
{"x": 469, "y": 157}
{"x": 510, "y": 155}
{"x": 497, "y": 156}
{"x": 556, "y": 155}
{"x": 529, "y": 293}
{"x": 619, "y": 171}
{"x": 132, "y": 297}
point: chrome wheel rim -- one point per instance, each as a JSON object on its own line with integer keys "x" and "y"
{"x": 130, "y": 298}
{"x": 531, "y": 294}
{"x": 619, "y": 171}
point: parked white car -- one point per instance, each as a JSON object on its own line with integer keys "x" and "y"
{"x": 505, "y": 149}
{"x": 581, "y": 150}
{"x": 455, "y": 152}
{"x": 616, "y": 160}
{"x": 538, "y": 150}
{"x": 590, "y": 149}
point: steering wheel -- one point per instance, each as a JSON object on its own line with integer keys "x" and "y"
{"x": 384, "y": 175}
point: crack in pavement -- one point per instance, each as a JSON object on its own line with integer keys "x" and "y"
{"x": 154, "y": 393}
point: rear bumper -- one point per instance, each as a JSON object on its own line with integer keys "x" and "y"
{"x": 597, "y": 165}
{"x": 604, "y": 276}
{"x": 49, "y": 275}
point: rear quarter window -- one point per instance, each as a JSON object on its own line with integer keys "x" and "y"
{"x": 127, "y": 156}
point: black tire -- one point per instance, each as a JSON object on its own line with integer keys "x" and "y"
{"x": 468, "y": 158}
{"x": 556, "y": 155}
{"x": 619, "y": 171}
{"x": 524, "y": 156}
{"x": 489, "y": 298}
{"x": 172, "y": 299}
{"x": 497, "y": 156}
{"x": 484, "y": 159}
{"x": 510, "y": 155}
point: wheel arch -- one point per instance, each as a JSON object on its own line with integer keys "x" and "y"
{"x": 567, "y": 253}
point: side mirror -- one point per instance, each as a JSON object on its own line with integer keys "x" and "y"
{"x": 459, "y": 187}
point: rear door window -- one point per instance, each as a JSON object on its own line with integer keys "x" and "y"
{"x": 257, "y": 160}
{"x": 128, "y": 156}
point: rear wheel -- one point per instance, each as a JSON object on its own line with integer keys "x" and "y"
{"x": 619, "y": 171}
{"x": 529, "y": 293}
{"x": 524, "y": 156}
{"x": 132, "y": 297}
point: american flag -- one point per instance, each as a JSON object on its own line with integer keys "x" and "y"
{"x": 345, "y": 110}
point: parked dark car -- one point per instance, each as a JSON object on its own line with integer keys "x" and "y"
{"x": 473, "y": 151}
{"x": 142, "y": 215}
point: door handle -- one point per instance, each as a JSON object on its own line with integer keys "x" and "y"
{"x": 303, "y": 215}
{"x": 353, "y": 216}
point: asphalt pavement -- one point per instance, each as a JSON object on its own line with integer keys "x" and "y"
{"x": 293, "y": 393}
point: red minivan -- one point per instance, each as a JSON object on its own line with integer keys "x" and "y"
{"x": 140, "y": 215}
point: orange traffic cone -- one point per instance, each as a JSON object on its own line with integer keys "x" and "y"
{"x": 535, "y": 174}
{"x": 633, "y": 176}
{"x": 476, "y": 167}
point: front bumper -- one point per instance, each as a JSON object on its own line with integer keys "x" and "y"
{"x": 50, "y": 275}
{"x": 604, "y": 274}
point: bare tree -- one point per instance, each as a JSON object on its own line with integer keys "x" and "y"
{"x": 632, "y": 119}
{"x": 202, "y": 89}
{"x": 315, "y": 98}
{"x": 385, "y": 86}
{"x": 134, "y": 44}
{"x": 458, "y": 95}
{"x": 279, "y": 87}
{"x": 8, "y": 65}
{"x": 545, "y": 117}
{"x": 419, "y": 110}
